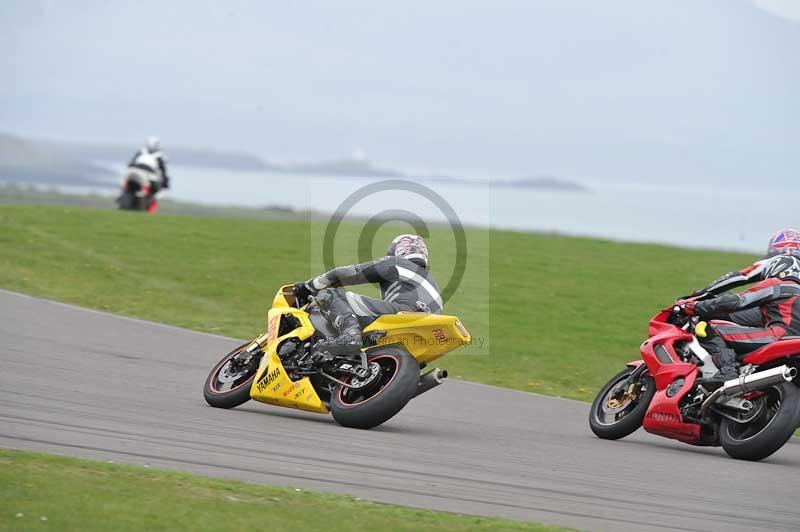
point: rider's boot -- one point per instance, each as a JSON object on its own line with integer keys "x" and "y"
{"x": 724, "y": 358}
{"x": 335, "y": 309}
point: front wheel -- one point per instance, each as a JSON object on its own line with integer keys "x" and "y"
{"x": 619, "y": 413}
{"x": 228, "y": 384}
{"x": 126, "y": 201}
{"x": 393, "y": 381}
{"x": 772, "y": 422}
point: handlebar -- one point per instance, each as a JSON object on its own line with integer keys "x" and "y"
{"x": 677, "y": 317}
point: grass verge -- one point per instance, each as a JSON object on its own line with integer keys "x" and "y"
{"x": 565, "y": 312}
{"x": 45, "y": 492}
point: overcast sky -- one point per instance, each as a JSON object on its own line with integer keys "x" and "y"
{"x": 584, "y": 90}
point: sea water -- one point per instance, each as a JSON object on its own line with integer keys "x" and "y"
{"x": 690, "y": 215}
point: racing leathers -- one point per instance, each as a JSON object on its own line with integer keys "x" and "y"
{"x": 150, "y": 166}
{"x": 750, "y": 317}
{"x": 405, "y": 286}
{"x": 778, "y": 308}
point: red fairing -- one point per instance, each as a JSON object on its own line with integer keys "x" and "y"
{"x": 663, "y": 417}
{"x": 665, "y": 335}
{"x": 774, "y": 351}
{"x": 658, "y": 322}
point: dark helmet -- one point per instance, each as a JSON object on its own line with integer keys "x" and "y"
{"x": 784, "y": 267}
{"x": 411, "y": 247}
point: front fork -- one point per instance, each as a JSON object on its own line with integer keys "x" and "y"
{"x": 627, "y": 386}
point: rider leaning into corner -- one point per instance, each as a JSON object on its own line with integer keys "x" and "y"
{"x": 741, "y": 323}
{"x": 150, "y": 164}
{"x": 404, "y": 280}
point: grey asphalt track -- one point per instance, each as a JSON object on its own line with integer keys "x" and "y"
{"x": 84, "y": 383}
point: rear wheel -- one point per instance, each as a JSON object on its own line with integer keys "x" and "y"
{"x": 228, "y": 384}
{"x": 616, "y": 413}
{"x": 768, "y": 426}
{"x": 392, "y": 382}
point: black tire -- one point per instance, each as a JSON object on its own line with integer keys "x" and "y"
{"x": 394, "y": 387}
{"x": 769, "y": 430}
{"x": 126, "y": 201}
{"x": 796, "y": 382}
{"x": 215, "y": 391}
{"x": 614, "y": 423}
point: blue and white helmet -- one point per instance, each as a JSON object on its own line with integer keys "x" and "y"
{"x": 410, "y": 247}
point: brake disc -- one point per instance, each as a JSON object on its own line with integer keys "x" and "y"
{"x": 358, "y": 383}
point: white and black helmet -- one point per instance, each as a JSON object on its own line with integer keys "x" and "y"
{"x": 784, "y": 267}
{"x": 153, "y": 145}
{"x": 411, "y": 247}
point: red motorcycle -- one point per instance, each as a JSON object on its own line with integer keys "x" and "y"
{"x": 751, "y": 417}
{"x": 137, "y": 193}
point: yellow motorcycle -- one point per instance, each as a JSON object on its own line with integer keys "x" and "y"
{"x": 282, "y": 368}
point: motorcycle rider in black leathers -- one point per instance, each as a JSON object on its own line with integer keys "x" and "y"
{"x": 404, "y": 280}
{"x": 777, "y": 300}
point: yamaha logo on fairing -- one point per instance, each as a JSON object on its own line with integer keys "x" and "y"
{"x": 267, "y": 379}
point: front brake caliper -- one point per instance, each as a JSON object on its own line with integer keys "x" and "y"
{"x": 623, "y": 392}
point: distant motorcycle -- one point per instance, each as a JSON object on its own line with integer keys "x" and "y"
{"x": 751, "y": 417}
{"x": 137, "y": 193}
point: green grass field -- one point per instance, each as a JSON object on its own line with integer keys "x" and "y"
{"x": 558, "y": 315}
{"x": 42, "y": 492}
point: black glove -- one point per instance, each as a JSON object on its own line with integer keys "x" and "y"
{"x": 302, "y": 292}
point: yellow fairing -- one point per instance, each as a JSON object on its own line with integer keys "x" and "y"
{"x": 284, "y": 297}
{"x": 272, "y": 385}
{"x": 426, "y": 336}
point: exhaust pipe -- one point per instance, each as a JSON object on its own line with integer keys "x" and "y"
{"x": 759, "y": 380}
{"x": 430, "y": 380}
{"x": 749, "y": 383}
